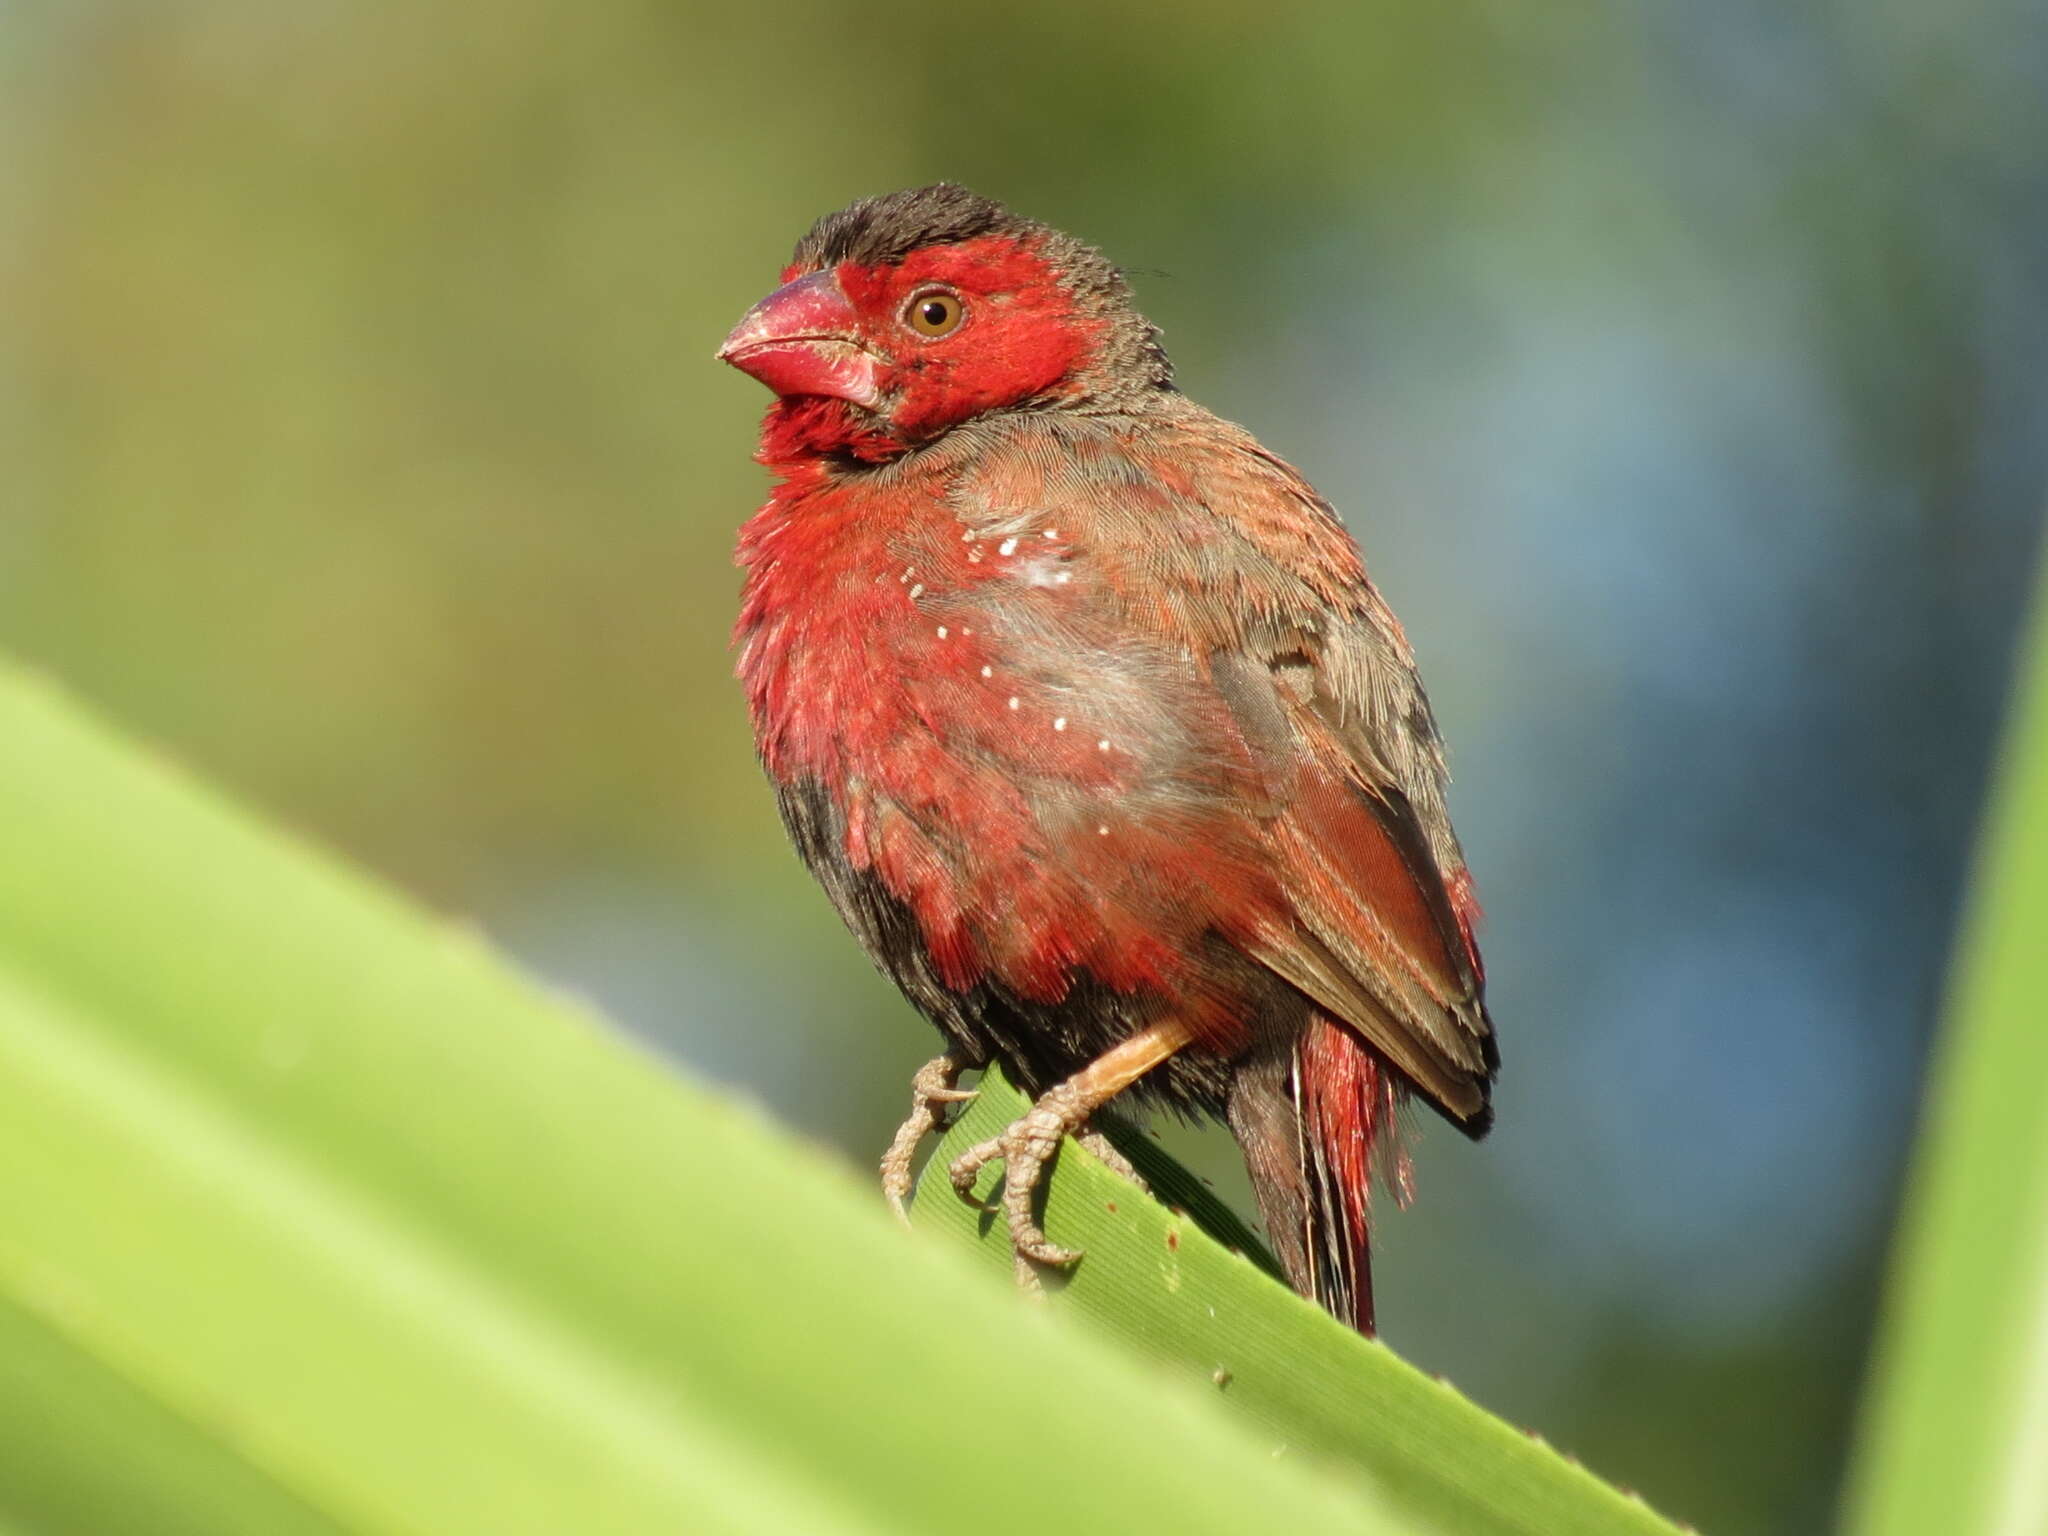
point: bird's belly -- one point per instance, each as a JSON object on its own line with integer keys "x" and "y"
{"x": 1043, "y": 1036}
{"x": 1020, "y": 808}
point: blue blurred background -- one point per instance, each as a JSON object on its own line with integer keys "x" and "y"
{"x": 1679, "y": 363}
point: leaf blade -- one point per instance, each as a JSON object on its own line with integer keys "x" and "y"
{"x": 1157, "y": 1280}
{"x": 354, "y": 1220}
{"x": 1955, "y": 1433}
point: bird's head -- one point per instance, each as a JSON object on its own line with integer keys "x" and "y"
{"x": 905, "y": 315}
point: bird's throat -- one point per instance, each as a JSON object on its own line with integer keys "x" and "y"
{"x": 803, "y": 433}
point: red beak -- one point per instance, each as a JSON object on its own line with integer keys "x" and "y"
{"x": 800, "y": 341}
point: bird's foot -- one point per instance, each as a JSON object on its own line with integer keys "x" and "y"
{"x": 1028, "y": 1144}
{"x": 1025, "y": 1147}
{"x": 935, "y": 1086}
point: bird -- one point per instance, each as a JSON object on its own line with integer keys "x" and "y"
{"x": 1081, "y": 707}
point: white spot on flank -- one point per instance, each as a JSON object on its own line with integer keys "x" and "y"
{"x": 942, "y": 631}
{"x": 1060, "y": 724}
{"x": 1052, "y": 533}
{"x": 1102, "y": 745}
{"x": 1103, "y": 830}
{"x": 1007, "y": 547}
{"x": 1063, "y": 578}
{"x": 908, "y": 572}
{"x": 917, "y": 591}
{"x": 1013, "y": 701}
{"x": 988, "y": 671}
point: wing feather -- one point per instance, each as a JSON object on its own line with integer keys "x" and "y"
{"x": 1197, "y": 542}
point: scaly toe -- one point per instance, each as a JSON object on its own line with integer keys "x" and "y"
{"x": 929, "y": 1089}
{"x": 1033, "y": 1244}
{"x": 1027, "y": 1147}
{"x": 934, "y": 1082}
{"x": 1105, "y": 1152}
{"x": 896, "y": 1180}
{"x": 965, "y": 1170}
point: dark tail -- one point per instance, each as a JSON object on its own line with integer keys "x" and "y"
{"x": 1312, "y": 1120}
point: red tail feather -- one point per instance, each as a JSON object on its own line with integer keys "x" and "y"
{"x": 1346, "y": 1101}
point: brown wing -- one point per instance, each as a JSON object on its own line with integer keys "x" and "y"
{"x": 1227, "y": 552}
{"x": 1379, "y": 883}
{"x": 1378, "y": 939}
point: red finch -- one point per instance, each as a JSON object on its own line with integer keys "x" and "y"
{"x": 1080, "y": 706}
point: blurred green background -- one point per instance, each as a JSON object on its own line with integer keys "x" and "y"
{"x": 1679, "y": 364}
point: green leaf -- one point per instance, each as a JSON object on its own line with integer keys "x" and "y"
{"x": 1956, "y": 1438}
{"x": 318, "y": 1219}
{"x": 1180, "y": 1279}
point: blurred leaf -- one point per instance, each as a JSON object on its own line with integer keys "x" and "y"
{"x": 1184, "y": 1282}
{"x": 1957, "y": 1433}
{"x": 317, "y": 1218}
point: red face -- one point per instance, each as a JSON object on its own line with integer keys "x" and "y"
{"x": 884, "y": 357}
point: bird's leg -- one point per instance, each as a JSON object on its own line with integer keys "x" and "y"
{"x": 1029, "y": 1143}
{"x": 934, "y": 1085}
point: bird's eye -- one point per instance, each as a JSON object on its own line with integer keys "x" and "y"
{"x": 935, "y": 314}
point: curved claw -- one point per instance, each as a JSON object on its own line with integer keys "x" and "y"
{"x": 965, "y": 1170}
